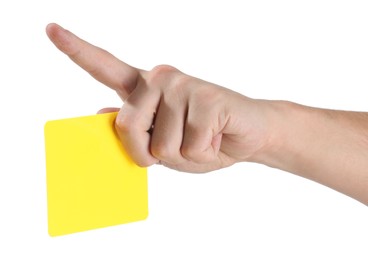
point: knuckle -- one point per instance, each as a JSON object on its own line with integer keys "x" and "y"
{"x": 163, "y": 68}
{"x": 144, "y": 163}
{"x": 124, "y": 123}
{"x": 176, "y": 93}
{"x": 162, "y": 151}
{"x": 189, "y": 153}
{"x": 159, "y": 73}
{"x": 181, "y": 82}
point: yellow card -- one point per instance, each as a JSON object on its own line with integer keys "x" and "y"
{"x": 91, "y": 181}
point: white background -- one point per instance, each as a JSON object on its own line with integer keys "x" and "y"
{"x": 310, "y": 52}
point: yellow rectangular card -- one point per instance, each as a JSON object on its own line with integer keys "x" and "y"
{"x": 91, "y": 181}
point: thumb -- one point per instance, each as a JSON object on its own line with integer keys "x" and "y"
{"x": 108, "y": 110}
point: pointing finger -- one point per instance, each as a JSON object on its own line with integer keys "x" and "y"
{"x": 102, "y": 65}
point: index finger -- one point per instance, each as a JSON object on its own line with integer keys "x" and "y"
{"x": 102, "y": 65}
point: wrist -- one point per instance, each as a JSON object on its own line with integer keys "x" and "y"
{"x": 286, "y": 121}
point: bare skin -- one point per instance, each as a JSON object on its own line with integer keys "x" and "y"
{"x": 200, "y": 126}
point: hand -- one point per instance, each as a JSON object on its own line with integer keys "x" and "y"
{"x": 196, "y": 126}
{"x": 191, "y": 125}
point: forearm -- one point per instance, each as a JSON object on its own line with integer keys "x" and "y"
{"x": 327, "y": 146}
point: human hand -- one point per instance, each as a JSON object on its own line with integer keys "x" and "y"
{"x": 171, "y": 118}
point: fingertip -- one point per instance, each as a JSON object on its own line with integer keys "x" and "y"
{"x": 51, "y": 25}
{"x": 61, "y": 38}
{"x": 108, "y": 110}
{"x": 51, "y": 29}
